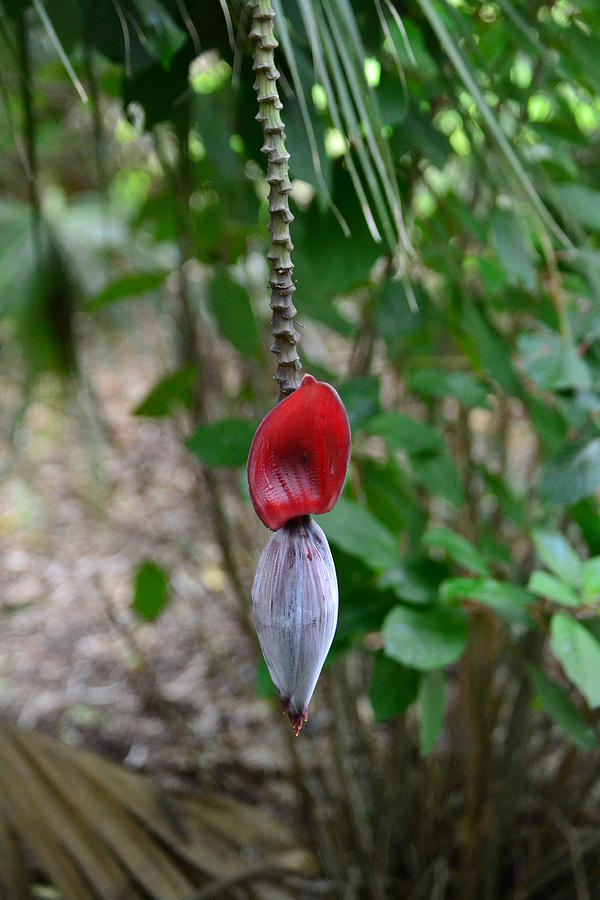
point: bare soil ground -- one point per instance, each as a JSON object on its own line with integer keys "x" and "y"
{"x": 78, "y": 514}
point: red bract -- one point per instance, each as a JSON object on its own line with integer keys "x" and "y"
{"x": 299, "y": 456}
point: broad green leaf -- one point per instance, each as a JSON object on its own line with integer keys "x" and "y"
{"x": 511, "y": 505}
{"x": 579, "y": 653}
{"x": 151, "y": 591}
{"x": 327, "y": 260}
{"x": 401, "y": 432}
{"x": 160, "y": 33}
{"x": 393, "y": 688}
{"x": 439, "y": 475}
{"x": 554, "y": 700}
{"x": 432, "y": 704}
{"x": 587, "y": 516}
{"x": 487, "y": 348}
{"x": 557, "y": 554}
{"x": 425, "y": 639}
{"x": 574, "y": 473}
{"x": 365, "y": 604}
{"x": 416, "y": 132}
{"x": 223, "y": 443}
{"x": 361, "y": 399}
{"x": 591, "y": 579}
{"x": 408, "y": 586}
{"x": 508, "y": 600}
{"x": 550, "y": 423}
{"x": 512, "y": 249}
{"x": 553, "y": 363}
{"x": 545, "y": 585}
{"x": 397, "y": 320}
{"x": 389, "y": 495}
{"x": 174, "y": 391}
{"x": 357, "y": 532}
{"x": 232, "y": 308}
{"x": 581, "y": 203}
{"x": 433, "y": 383}
{"x": 133, "y": 285}
{"x": 458, "y": 548}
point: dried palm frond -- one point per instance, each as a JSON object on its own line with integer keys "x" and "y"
{"x": 97, "y": 830}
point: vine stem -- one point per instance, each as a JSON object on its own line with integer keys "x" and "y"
{"x": 285, "y": 336}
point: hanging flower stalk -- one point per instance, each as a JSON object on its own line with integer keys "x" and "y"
{"x": 300, "y": 453}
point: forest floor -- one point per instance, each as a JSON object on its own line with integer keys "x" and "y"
{"x": 82, "y": 504}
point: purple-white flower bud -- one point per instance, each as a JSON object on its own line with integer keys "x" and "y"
{"x": 295, "y": 607}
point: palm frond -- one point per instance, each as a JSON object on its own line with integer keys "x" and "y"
{"x": 461, "y": 65}
{"x": 62, "y": 54}
{"x": 338, "y": 56}
{"x": 98, "y": 830}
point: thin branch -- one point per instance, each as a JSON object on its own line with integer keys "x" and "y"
{"x": 285, "y": 336}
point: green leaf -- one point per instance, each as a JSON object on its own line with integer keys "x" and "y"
{"x": 173, "y": 391}
{"x": 133, "y": 285}
{"x": 487, "y": 347}
{"x": 550, "y": 424}
{"x": 591, "y": 579}
{"x": 223, "y": 443}
{"x": 508, "y": 600}
{"x": 574, "y": 473}
{"x": 544, "y": 585}
{"x": 432, "y": 704}
{"x": 161, "y": 35}
{"x": 151, "y": 591}
{"x": 401, "y": 432}
{"x": 454, "y": 53}
{"x": 408, "y": 586}
{"x": 554, "y": 700}
{"x": 355, "y": 531}
{"x": 511, "y": 505}
{"x": 393, "y": 688}
{"x": 433, "y": 383}
{"x": 581, "y": 203}
{"x": 512, "y": 249}
{"x": 425, "y": 639}
{"x": 396, "y": 320}
{"x": 587, "y": 516}
{"x": 264, "y": 683}
{"x": 579, "y": 653}
{"x": 361, "y": 399}
{"x": 557, "y": 554}
{"x": 553, "y": 363}
{"x": 232, "y": 308}
{"x": 438, "y": 474}
{"x": 389, "y": 496}
{"x": 458, "y": 548}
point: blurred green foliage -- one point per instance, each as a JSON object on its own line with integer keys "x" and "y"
{"x": 464, "y": 340}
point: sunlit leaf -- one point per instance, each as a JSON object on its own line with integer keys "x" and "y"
{"x": 355, "y": 531}
{"x": 458, "y": 548}
{"x": 579, "y": 653}
{"x": 425, "y": 639}
{"x": 548, "y": 586}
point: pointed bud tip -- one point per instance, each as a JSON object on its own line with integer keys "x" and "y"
{"x": 298, "y": 719}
